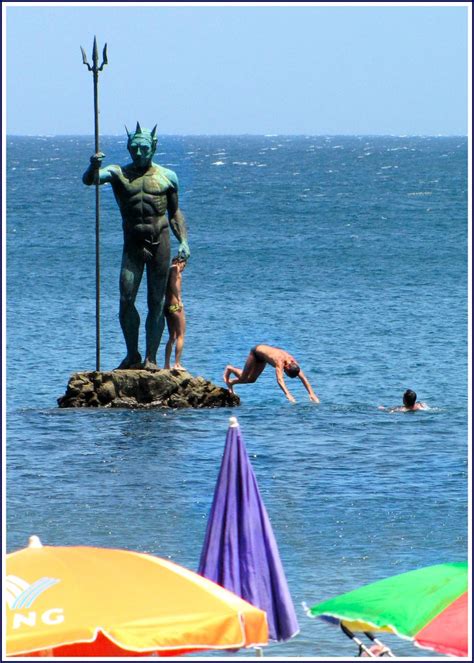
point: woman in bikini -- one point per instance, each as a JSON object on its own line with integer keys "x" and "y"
{"x": 174, "y": 314}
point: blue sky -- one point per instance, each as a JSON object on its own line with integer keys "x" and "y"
{"x": 233, "y": 70}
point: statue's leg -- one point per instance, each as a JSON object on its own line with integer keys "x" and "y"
{"x": 157, "y": 277}
{"x": 131, "y": 273}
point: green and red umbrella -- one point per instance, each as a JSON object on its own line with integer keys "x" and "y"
{"x": 428, "y": 606}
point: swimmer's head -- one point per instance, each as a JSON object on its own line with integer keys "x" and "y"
{"x": 292, "y": 369}
{"x": 409, "y": 398}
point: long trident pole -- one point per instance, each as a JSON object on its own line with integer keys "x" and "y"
{"x": 95, "y": 72}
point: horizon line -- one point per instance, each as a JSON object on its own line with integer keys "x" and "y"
{"x": 261, "y": 135}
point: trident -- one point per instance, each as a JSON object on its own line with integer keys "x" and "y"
{"x": 95, "y": 71}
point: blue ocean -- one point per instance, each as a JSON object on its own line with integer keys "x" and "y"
{"x": 349, "y": 252}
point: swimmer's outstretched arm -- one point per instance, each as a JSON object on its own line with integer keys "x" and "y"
{"x": 308, "y": 387}
{"x": 282, "y": 385}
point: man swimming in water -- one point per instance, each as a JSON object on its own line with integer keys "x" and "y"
{"x": 410, "y": 404}
{"x": 258, "y": 358}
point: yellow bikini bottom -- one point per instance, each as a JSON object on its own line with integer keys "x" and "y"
{"x": 175, "y": 308}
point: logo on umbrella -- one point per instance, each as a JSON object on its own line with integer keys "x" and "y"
{"x": 19, "y": 594}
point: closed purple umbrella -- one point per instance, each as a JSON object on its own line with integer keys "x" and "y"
{"x": 240, "y": 552}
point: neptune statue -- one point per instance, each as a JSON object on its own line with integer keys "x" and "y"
{"x": 147, "y": 196}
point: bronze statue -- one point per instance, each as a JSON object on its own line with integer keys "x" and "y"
{"x": 144, "y": 192}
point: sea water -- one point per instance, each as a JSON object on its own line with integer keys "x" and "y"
{"x": 350, "y": 253}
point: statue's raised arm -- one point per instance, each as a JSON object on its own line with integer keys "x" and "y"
{"x": 105, "y": 174}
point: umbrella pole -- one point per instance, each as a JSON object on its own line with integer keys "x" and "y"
{"x": 387, "y": 651}
{"x": 355, "y": 639}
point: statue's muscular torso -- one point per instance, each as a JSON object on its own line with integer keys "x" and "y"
{"x": 143, "y": 200}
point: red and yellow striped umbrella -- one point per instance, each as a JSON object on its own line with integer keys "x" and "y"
{"x": 428, "y": 606}
{"x": 80, "y": 601}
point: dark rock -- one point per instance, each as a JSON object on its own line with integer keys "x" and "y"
{"x": 106, "y": 392}
{"x": 142, "y": 389}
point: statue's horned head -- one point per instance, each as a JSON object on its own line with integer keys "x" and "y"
{"x": 144, "y": 134}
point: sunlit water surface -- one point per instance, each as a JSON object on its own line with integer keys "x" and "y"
{"x": 348, "y": 252}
